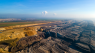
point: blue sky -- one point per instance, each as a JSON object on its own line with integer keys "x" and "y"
{"x": 48, "y": 8}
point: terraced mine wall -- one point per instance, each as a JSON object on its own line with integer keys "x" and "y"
{"x": 71, "y": 37}
{"x": 82, "y": 41}
{"x": 85, "y": 48}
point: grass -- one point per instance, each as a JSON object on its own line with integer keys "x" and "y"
{"x": 3, "y": 24}
{"x": 3, "y": 51}
{"x": 12, "y": 24}
{"x": 11, "y": 42}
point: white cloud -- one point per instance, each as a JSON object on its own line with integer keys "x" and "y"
{"x": 54, "y": 13}
{"x": 45, "y": 12}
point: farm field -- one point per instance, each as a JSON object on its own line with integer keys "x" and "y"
{"x": 4, "y": 24}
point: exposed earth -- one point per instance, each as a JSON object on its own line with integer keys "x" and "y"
{"x": 65, "y": 36}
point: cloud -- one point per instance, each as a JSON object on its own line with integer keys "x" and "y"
{"x": 45, "y": 12}
{"x": 54, "y": 14}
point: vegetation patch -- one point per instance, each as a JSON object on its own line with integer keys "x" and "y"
{"x": 11, "y": 42}
{"x": 3, "y": 51}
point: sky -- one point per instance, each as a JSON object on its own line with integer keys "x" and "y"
{"x": 84, "y": 9}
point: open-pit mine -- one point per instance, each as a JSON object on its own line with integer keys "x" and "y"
{"x": 64, "y": 36}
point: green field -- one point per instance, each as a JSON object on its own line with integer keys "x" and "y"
{"x": 3, "y": 24}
